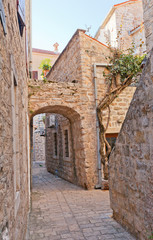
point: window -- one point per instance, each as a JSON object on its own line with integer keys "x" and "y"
{"x": 55, "y": 144}
{"x": 111, "y": 138}
{"x": 35, "y": 74}
{"x": 66, "y": 143}
{"x": 21, "y": 15}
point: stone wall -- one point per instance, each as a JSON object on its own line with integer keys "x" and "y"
{"x": 14, "y": 164}
{"x": 128, "y": 17}
{"x": 148, "y": 22}
{"x": 68, "y": 64}
{"x": 131, "y": 162}
{"x": 60, "y": 164}
{"x": 118, "y": 110}
{"x": 38, "y": 147}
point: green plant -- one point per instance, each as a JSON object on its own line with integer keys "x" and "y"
{"x": 127, "y": 65}
{"x": 46, "y": 67}
{"x": 44, "y": 78}
{"x": 31, "y": 111}
{"x": 122, "y": 71}
{"x": 151, "y": 236}
{"x": 45, "y": 64}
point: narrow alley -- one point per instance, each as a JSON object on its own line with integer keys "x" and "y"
{"x": 61, "y": 210}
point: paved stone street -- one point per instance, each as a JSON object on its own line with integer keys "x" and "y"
{"x": 61, "y": 210}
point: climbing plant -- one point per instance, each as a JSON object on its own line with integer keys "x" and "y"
{"x": 123, "y": 70}
{"x": 151, "y": 236}
{"x": 45, "y": 65}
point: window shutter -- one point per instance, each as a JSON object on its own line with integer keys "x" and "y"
{"x": 66, "y": 139}
{"x": 21, "y": 9}
{"x": 55, "y": 144}
{"x": 21, "y": 15}
{"x": 2, "y": 16}
{"x": 27, "y": 51}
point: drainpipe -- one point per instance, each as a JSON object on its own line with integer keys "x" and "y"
{"x": 97, "y": 123}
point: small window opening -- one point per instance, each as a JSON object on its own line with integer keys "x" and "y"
{"x": 35, "y": 74}
{"x": 66, "y": 140}
{"x": 55, "y": 144}
{"x": 111, "y": 138}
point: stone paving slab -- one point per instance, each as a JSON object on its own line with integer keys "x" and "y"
{"x": 63, "y": 211}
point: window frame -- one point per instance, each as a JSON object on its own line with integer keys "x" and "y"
{"x": 109, "y": 138}
{"x": 64, "y": 152}
{"x": 33, "y": 73}
{"x": 57, "y": 146}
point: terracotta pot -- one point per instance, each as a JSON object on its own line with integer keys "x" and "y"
{"x": 45, "y": 72}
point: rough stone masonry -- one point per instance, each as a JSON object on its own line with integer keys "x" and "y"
{"x": 131, "y": 162}
{"x": 14, "y": 164}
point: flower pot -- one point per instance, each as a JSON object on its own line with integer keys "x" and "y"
{"x": 45, "y": 72}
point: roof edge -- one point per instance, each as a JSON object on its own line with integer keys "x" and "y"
{"x": 37, "y": 50}
{"x": 97, "y": 41}
{"x": 129, "y": 1}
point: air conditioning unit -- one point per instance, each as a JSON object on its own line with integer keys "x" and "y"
{"x": 52, "y": 121}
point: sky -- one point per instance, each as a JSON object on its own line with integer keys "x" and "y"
{"x": 57, "y": 20}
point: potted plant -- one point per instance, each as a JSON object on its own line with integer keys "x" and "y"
{"x": 45, "y": 66}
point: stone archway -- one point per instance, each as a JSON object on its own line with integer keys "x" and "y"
{"x": 63, "y": 98}
{"x": 78, "y": 149}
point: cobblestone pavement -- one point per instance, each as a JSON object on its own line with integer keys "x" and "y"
{"x": 63, "y": 211}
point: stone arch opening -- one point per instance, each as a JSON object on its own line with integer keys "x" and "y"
{"x": 68, "y": 160}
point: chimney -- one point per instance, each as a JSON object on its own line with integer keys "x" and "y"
{"x": 56, "y": 47}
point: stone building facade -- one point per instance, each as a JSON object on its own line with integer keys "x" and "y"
{"x": 70, "y": 91}
{"x": 131, "y": 162}
{"x": 14, "y": 162}
{"x": 124, "y": 25}
{"x": 38, "y": 146}
{"x": 59, "y": 153}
